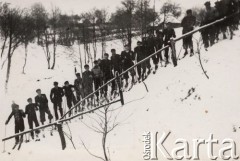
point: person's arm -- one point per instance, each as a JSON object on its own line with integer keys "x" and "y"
{"x": 22, "y": 113}
{"x": 62, "y": 93}
{"x": 174, "y": 34}
{"x": 26, "y": 110}
{"x": 9, "y": 118}
{"x": 36, "y": 107}
{"x": 51, "y": 95}
{"x": 45, "y": 98}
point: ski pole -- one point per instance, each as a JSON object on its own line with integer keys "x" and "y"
{"x": 180, "y": 52}
{"x": 5, "y": 133}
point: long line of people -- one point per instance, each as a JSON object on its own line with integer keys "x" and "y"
{"x": 103, "y": 70}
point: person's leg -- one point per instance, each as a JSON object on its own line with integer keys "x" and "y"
{"x": 166, "y": 55}
{"x": 50, "y": 116}
{"x": 139, "y": 70}
{"x": 60, "y": 108}
{"x": 69, "y": 104}
{"x": 16, "y": 131}
{"x": 55, "y": 106}
{"x": 42, "y": 115}
{"x": 30, "y": 123}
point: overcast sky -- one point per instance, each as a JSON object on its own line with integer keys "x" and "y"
{"x": 78, "y": 6}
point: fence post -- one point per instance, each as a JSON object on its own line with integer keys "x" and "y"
{"x": 119, "y": 88}
{"x": 174, "y": 56}
{"x": 60, "y": 131}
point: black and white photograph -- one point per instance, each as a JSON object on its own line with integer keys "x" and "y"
{"x": 119, "y": 80}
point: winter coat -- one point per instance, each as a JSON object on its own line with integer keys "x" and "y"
{"x": 97, "y": 72}
{"x": 127, "y": 58}
{"x": 168, "y": 34}
{"x": 116, "y": 63}
{"x": 41, "y": 101}
{"x": 56, "y": 95}
{"x": 87, "y": 77}
{"x": 106, "y": 68}
{"x": 188, "y": 23}
{"x": 19, "y": 116}
{"x": 140, "y": 52}
{"x": 30, "y": 111}
{"x": 68, "y": 90}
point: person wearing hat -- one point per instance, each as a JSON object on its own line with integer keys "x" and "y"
{"x": 87, "y": 82}
{"x": 188, "y": 24}
{"x": 70, "y": 97}
{"x": 19, "y": 116}
{"x": 42, "y": 102}
{"x": 56, "y": 98}
{"x": 30, "y": 111}
{"x": 140, "y": 52}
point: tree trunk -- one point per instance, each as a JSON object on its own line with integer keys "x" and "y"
{"x": 25, "y": 60}
{"x": 54, "y": 51}
{"x": 3, "y": 46}
{"x": 9, "y": 63}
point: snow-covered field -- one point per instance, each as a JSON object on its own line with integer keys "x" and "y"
{"x": 212, "y": 108}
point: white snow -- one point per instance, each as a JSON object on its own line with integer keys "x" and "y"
{"x": 212, "y": 108}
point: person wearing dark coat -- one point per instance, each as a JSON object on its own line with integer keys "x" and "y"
{"x": 150, "y": 48}
{"x": 168, "y": 33}
{"x": 159, "y": 44}
{"x": 42, "y": 102}
{"x": 56, "y": 98}
{"x": 70, "y": 97}
{"x": 79, "y": 89}
{"x": 30, "y": 111}
{"x": 188, "y": 24}
{"x": 116, "y": 62}
{"x": 87, "y": 82}
{"x": 127, "y": 57}
{"x": 97, "y": 77}
{"x": 141, "y": 54}
{"x": 19, "y": 116}
{"x": 106, "y": 67}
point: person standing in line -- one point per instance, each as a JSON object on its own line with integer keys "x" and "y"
{"x": 188, "y": 24}
{"x": 30, "y": 111}
{"x": 70, "y": 97}
{"x": 79, "y": 90}
{"x": 56, "y": 98}
{"x": 42, "y": 102}
{"x": 168, "y": 33}
{"x": 19, "y": 116}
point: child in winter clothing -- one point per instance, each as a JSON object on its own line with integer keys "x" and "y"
{"x": 30, "y": 111}
{"x": 68, "y": 92}
{"x": 19, "y": 116}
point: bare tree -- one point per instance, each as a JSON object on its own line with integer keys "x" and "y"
{"x": 54, "y": 19}
{"x": 13, "y": 29}
{"x": 170, "y": 8}
{"x": 40, "y": 17}
{"x": 28, "y": 34}
{"x": 104, "y": 123}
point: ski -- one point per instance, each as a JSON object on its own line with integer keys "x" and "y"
{"x": 20, "y": 143}
{"x": 15, "y": 146}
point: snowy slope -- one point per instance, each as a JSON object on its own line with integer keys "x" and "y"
{"x": 212, "y": 108}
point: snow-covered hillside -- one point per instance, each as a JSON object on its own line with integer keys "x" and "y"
{"x": 213, "y": 106}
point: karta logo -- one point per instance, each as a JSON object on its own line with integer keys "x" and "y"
{"x": 154, "y": 145}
